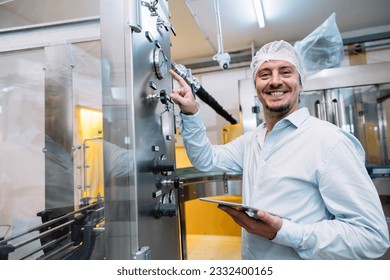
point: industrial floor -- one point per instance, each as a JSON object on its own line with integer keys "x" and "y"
{"x": 213, "y": 247}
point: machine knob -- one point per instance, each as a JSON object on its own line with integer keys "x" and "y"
{"x": 163, "y": 96}
{"x": 163, "y": 165}
{"x": 175, "y": 183}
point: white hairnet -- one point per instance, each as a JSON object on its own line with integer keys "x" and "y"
{"x": 277, "y": 50}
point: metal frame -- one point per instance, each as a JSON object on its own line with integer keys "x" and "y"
{"x": 38, "y": 36}
{"x": 351, "y": 76}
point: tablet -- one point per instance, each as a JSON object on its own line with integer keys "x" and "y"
{"x": 251, "y": 211}
{"x": 237, "y": 206}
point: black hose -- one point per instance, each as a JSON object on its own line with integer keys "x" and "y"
{"x": 207, "y": 98}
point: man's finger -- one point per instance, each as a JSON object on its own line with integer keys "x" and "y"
{"x": 178, "y": 78}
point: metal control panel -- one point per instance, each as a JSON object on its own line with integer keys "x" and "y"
{"x": 140, "y": 206}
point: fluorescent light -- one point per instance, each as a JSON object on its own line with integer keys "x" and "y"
{"x": 5, "y": 1}
{"x": 259, "y": 12}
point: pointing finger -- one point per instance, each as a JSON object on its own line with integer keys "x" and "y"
{"x": 178, "y": 78}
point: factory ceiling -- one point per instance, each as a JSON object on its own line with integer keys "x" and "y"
{"x": 195, "y": 22}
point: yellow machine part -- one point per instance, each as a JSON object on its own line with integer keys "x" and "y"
{"x": 205, "y": 218}
{"x": 230, "y": 132}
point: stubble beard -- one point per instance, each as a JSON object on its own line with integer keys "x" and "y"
{"x": 280, "y": 109}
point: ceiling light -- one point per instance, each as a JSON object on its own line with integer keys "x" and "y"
{"x": 259, "y": 12}
{"x": 5, "y": 1}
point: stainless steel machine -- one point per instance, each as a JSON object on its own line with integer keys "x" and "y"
{"x": 141, "y": 219}
{"x": 87, "y": 127}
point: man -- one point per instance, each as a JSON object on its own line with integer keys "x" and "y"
{"x": 309, "y": 172}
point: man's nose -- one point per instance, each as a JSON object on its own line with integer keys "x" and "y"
{"x": 275, "y": 80}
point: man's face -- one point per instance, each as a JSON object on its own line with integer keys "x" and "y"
{"x": 278, "y": 87}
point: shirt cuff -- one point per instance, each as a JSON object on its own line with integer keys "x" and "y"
{"x": 190, "y": 122}
{"x": 290, "y": 234}
{"x": 186, "y": 116}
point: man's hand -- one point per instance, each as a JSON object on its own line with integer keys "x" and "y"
{"x": 266, "y": 226}
{"x": 183, "y": 96}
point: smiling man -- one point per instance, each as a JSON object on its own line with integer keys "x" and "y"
{"x": 306, "y": 170}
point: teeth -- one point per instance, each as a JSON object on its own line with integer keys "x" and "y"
{"x": 279, "y": 93}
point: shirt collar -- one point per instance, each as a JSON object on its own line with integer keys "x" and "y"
{"x": 296, "y": 118}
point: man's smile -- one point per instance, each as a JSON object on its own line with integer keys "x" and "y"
{"x": 276, "y": 93}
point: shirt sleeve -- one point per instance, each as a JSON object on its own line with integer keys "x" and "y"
{"x": 359, "y": 229}
{"x": 205, "y": 156}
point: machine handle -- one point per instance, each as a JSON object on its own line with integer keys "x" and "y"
{"x": 163, "y": 165}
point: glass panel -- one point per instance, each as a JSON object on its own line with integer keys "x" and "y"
{"x": 22, "y": 139}
{"x": 51, "y": 158}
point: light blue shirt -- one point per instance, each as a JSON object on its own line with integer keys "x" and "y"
{"x": 308, "y": 171}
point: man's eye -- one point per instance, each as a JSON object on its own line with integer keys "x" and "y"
{"x": 264, "y": 75}
{"x": 286, "y": 73}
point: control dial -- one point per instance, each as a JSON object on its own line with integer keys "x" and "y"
{"x": 160, "y": 63}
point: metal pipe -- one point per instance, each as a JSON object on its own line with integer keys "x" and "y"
{"x": 219, "y": 29}
{"x": 207, "y": 37}
{"x": 85, "y": 166}
{"x": 382, "y": 124}
{"x": 253, "y": 49}
{"x": 4, "y": 241}
{"x": 48, "y": 244}
{"x": 57, "y": 251}
{"x": 336, "y": 112}
{"x": 318, "y": 109}
{"x": 20, "y": 244}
